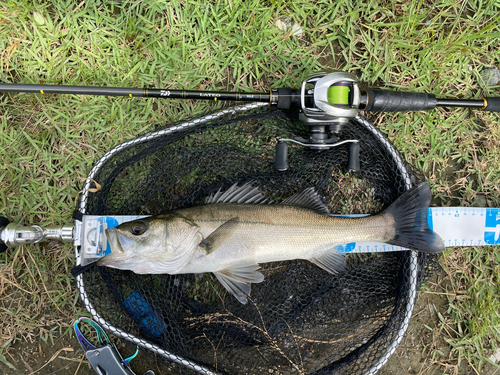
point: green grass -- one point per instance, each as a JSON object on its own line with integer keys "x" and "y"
{"x": 48, "y": 143}
{"x": 472, "y": 327}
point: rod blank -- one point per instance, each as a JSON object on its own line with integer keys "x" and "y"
{"x": 134, "y": 92}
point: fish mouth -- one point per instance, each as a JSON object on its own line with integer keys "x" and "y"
{"x": 114, "y": 242}
{"x": 118, "y": 242}
{"x": 121, "y": 247}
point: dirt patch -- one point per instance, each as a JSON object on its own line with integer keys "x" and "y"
{"x": 416, "y": 352}
{"x": 65, "y": 356}
{"x": 424, "y": 350}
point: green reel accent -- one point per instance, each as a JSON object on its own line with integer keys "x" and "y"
{"x": 338, "y": 95}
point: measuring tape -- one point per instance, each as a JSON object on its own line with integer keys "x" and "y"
{"x": 466, "y": 226}
{"x": 457, "y": 226}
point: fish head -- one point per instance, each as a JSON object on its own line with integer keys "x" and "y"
{"x": 138, "y": 236}
{"x": 158, "y": 244}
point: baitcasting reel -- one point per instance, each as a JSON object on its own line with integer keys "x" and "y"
{"x": 327, "y": 102}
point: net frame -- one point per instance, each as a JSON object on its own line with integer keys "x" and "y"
{"x": 413, "y": 261}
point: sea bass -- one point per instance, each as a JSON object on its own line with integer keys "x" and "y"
{"x": 237, "y": 230}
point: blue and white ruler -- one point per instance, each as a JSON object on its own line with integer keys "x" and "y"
{"x": 457, "y": 226}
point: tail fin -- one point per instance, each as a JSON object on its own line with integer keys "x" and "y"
{"x": 410, "y": 217}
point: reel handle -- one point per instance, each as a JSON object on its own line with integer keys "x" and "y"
{"x": 353, "y": 161}
{"x": 281, "y": 159}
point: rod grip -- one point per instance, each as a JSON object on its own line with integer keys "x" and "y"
{"x": 397, "y": 101}
{"x": 492, "y": 104}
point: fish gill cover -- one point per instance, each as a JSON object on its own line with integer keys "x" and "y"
{"x": 300, "y": 319}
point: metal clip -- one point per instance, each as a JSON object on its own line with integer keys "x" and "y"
{"x": 105, "y": 358}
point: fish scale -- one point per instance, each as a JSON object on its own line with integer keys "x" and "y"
{"x": 283, "y": 232}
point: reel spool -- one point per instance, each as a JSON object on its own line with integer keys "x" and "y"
{"x": 300, "y": 319}
{"x": 336, "y": 99}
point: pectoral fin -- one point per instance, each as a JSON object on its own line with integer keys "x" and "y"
{"x": 219, "y": 236}
{"x": 331, "y": 261}
{"x": 237, "y": 280}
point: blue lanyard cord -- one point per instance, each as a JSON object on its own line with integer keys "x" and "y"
{"x": 126, "y": 361}
{"x": 86, "y": 344}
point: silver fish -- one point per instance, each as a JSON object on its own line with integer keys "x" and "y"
{"x": 237, "y": 230}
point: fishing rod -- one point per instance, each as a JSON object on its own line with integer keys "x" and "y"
{"x": 333, "y": 89}
{"x": 325, "y": 101}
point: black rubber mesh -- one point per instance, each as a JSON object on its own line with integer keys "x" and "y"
{"x": 300, "y": 319}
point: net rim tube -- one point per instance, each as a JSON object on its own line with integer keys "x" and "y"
{"x": 192, "y": 123}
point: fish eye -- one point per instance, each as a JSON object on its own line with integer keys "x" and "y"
{"x": 138, "y": 228}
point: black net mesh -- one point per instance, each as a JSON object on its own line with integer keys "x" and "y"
{"x": 300, "y": 319}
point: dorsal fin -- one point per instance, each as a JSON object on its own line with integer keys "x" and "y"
{"x": 245, "y": 194}
{"x": 249, "y": 194}
{"x": 308, "y": 198}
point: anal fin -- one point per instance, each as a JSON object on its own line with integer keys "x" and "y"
{"x": 331, "y": 261}
{"x": 237, "y": 280}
